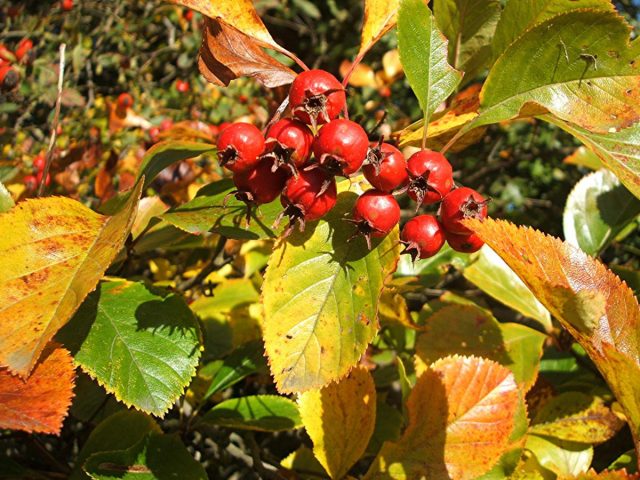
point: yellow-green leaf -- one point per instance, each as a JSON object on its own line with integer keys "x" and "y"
{"x": 379, "y": 18}
{"x": 56, "y": 253}
{"x": 340, "y": 418}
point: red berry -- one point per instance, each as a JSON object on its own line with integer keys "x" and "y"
{"x": 289, "y": 142}
{"x": 166, "y": 124}
{"x": 182, "y": 86}
{"x": 154, "y": 132}
{"x": 316, "y": 97}
{"x": 460, "y": 204}
{"x": 125, "y": 101}
{"x": 239, "y": 146}
{"x": 188, "y": 15}
{"x": 464, "y": 243}
{"x": 23, "y": 48}
{"x": 307, "y": 197}
{"x": 39, "y": 162}
{"x": 9, "y": 78}
{"x": 386, "y": 169}
{"x": 422, "y": 236}
{"x": 66, "y": 5}
{"x": 431, "y": 177}
{"x": 39, "y": 178}
{"x": 375, "y": 214}
{"x": 260, "y": 184}
{"x": 223, "y": 125}
{"x": 341, "y": 147}
{"x": 213, "y": 130}
{"x": 31, "y": 182}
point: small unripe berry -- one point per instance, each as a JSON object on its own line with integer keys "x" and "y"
{"x": 239, "y": 146}
{"x": 341, "y": 147}
{"x": 431, "y": 177}
{"x": 316, "y": 97}
{"x": 422, "y": 236}
{"x": 386, "y": 168}
{"x": 460, "y": 204}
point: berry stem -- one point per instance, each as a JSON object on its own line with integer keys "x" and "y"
{"x": 293, "y": 57}
{"x": 425, "y": 130}
{"x": 277, "y": 114}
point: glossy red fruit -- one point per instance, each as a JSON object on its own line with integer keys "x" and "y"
{"x": 307, "y": 197}
{"x": 460, "y": 204}
{"x": 125, "y": 101}
{"x": 464, "y": 243}
{"x": 375, "y": 214}
{"x": 422, "y": 236}
{"x": 188, "y": 15}
{"x": 24, "y": 47}
{"x": 289, "y": 142}
{"x": 166, "y": 124}
{"x": 9, "y": 78}
{"x": 39, "y": 176}
{"x": 239, "y": 146}
{"x": 31, "y": 182}
{"x": 182, "y": 86}
{"x": 431, "y": 177}
{"x": 66, "y": 5}
{"x": 154, "y": 132}
{"x": 316, "y": 97}
{"x": 260, "y": 184}
{"x": 386, "y": 168}
{"x": 223, "y": 125}
{"x": 341, "y": 147}
{"x": 39, "y": 162}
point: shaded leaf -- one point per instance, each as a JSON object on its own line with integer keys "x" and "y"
{"x": 597, "y": 210}
{"x": 494, "y": 277}
{"x": 302, "y": 460}
{"x": 156, "y": 456}
{"x": 242, "y": 362}
{"x": 379, "y": 17}
{"x": 340, "y": 419}
{"x": 561, "y": 457}
{"x": 594, "y": 305}
{"x": 54, "y": 257}
{"x": 226, "y": 54}
{"x": 141, "y": 344}
{"x": 39, "y": 404}
{"x": 320, "y": 297}
{"x": 461, "y": 414}
{"x": 583, "y": 157}
{"x": 423, "y": 53}
{"x": 264, "y": 413}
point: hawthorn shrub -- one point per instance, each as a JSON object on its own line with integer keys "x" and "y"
{"x": 245, "y": 262}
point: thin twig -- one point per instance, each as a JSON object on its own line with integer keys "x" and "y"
{"x": 212, "y": 266}
{"x": 54, "y": 125}
{"x": 258, "y": 464}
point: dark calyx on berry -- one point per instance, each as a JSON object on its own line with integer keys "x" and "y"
{"x": 422, "y": 237}
{"x": 385, "y": 168}
{"x": 341, "y": 147}
{"x": 375, "y": 213}
{"x": 431, "y": 177}
{"x": 316, "y": 97}
{"x": 239, "y": 146}
{"x": 289, "y": 144}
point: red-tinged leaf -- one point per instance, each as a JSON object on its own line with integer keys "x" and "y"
{"x": 227, "y": 53}
{"x": 39, "y": 404}
{"x": 592, "y": 303}
{"x": 461, "y": 415}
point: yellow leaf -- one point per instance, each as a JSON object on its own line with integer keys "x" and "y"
{"x": 362, "y": 75}
{"x": 340, "y": 419}
{"x": 379, "y": 18}
{"x": 53, "y": 252}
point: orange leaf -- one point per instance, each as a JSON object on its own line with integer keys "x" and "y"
{"x": 592, "y": 303}
{"x": 604, "y": 475}
{"x": 120, "y": 118}
{"x": 379, "y": 18}
{"x": 39, "y": 404}
{"x": 361, "y": 76}
{"x": 461, "y": 414}
{"x": 226, "y": 54}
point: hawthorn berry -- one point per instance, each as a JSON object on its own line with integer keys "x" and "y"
{"x": 166, "y": 124}
{"x": 431, "y": 177}
{"x": 386, "y": 168}
{"x": 341, "y": 147}
{"x": 289, "y": 142}
{"x": 154, "y": 132}
{"x": 30, "y": 182}
{"x": 188, "y": 15}
{"x": 39, "y": 176}
{"x": 182, "y": 86}
{"x": 39, "y": 162}
{"x": 307, "y": 197}
{"x": 375, "y": 213}
{"x": 66, "y": 5}
{"x": 9, "y": 78}
{"x": 422, "y": 236}
{"x": 260, "y": 184}
{"x": 464, "y": 243}
{"x": 24, "y": 47}
{"x": 239, "y": 146}
{"x": 316, "y": 97}
{"x": 125, "y": 101}
{"x": 460, "y": 204}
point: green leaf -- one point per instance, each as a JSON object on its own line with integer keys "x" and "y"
{"x": 242, "y": 362}
{"x": 619, "y": 151}
{"x": 264, "y": 413}
{"x": 423, "y": 54}
{"x": 576, "y": 417}
{"x": 157, "y": 158}
{"x": 494, "y": 277}
{"x": 518, "y": 17}
{"x": 579, "y": 66}
{"x": 469, "y": 25}
{"x": 627, "y": 460}
{"x": 155, "y": 457}
{"x": 215, "y": 209}
{"x": 431, "y": 270}
{"x": 141, "y": 344}
{"x": 320, "y": 296}
{"x": 6, "y": 200}
{"x": 561, "y": 457}
{"x": 118, "y": 432}
{"x": 597, "y": 210}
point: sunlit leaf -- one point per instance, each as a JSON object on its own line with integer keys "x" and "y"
{"x": 57, "y": 252}
{"x": 6, "y": 200}
{"x": 561, "y": 457}
{"x": 39, "y": 404}
{"x": 461, "y": 414}
{"x": 320, "y": 297}
{"x": 379, "y": 17}
{"x": 583, "y": 157}
{"x": 340, "y": 418}
{"x": 597, "y": 209}
{"x": 265, "y": 413}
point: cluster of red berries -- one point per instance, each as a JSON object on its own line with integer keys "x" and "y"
{"x": 32, "y": 181}
{"x": 9, "y": 77}
{"x": 299, "y": 158}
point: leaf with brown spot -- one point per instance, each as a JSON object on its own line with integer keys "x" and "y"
{"x": 57, "y": 252}
{"x": 592, "y": 303}
{"x": 339, "y": 419}
{"x": 226, "y": 54}
{"x": 461, "y": 415}
{"x": 39, "y": 404}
